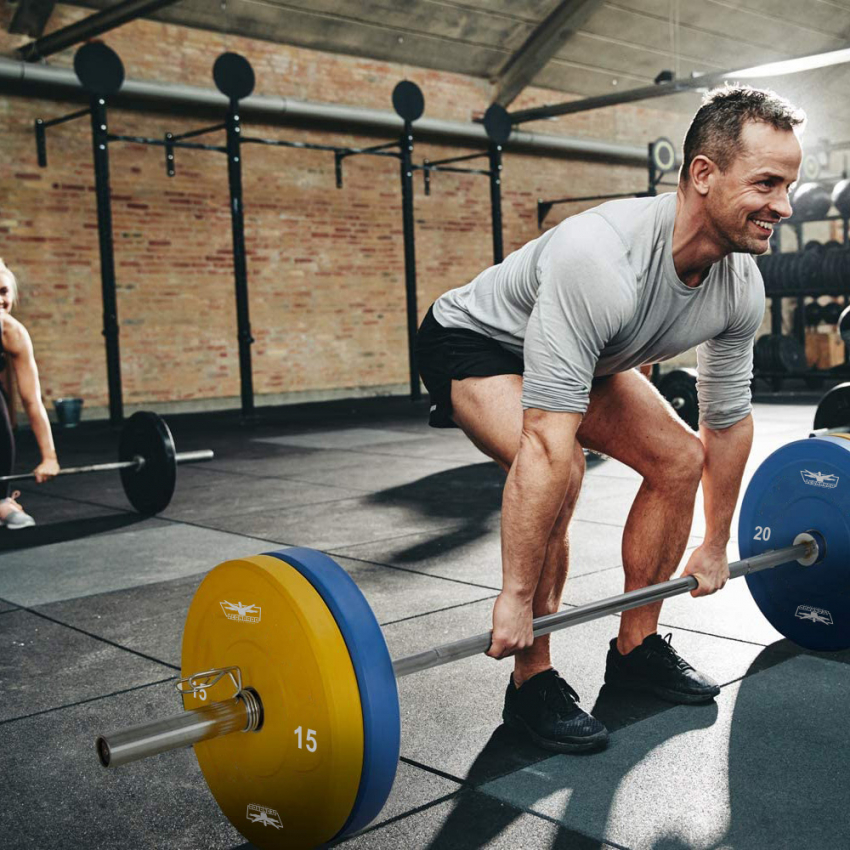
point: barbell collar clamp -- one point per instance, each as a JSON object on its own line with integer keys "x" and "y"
{"x": 818, "y": 546}
{"x": 200, "y": 683}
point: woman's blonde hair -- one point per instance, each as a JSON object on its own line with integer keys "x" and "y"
{"x": 13, "y": 281}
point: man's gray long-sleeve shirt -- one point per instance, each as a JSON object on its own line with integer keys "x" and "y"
{"x": 599, "y": 294}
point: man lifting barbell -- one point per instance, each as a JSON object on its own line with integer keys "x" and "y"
{"x": 16, "y": 349}
{"x": 537, "y": 357}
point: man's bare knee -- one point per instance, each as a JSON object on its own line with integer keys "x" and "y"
{"x": 683, "y": 469}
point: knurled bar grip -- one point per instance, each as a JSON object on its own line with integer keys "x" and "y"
{"x": 137, "y": 463}
{"x": 594, "y": 610}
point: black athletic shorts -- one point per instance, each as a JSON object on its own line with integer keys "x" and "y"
{"x": 446, "y": 354}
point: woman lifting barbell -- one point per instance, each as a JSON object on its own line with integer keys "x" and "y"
{"x": 16, "y": 352}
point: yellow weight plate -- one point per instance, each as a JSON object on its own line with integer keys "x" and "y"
{"x": 292, "y": 783}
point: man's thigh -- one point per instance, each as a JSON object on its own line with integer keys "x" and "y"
{"x": 628, "y": 419}
{"x": 489, "y": 411}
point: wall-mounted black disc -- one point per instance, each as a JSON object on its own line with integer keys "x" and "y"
{"x": 497, "y": 123}
{"x": 99, "y": 69}
{"x": 408, "y": 100}
{"x": 233, "y": 76}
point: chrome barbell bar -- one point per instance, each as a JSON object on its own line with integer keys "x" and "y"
{"x": 240, "y": 713}
{"x": 137, "y": 463}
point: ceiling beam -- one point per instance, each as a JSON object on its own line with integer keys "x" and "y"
{"x": 543, "y": 43}
{"x": 31, "y": 17}
{"x": 87, "y": 28}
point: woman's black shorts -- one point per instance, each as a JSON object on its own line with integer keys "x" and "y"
{"x": 447, "y": 354}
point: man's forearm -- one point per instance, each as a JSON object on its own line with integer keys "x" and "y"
{"x": 534, "y": 493}
{"x": 726, "y": 454}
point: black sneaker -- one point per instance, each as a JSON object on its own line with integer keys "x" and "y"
{"x": 545, "y": 708}
{"x": 656, "y": 668}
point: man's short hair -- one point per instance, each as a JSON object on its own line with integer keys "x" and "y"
{"x": 716, "y": 128}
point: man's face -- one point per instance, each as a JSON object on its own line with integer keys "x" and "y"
{"x": 747, "y": 200}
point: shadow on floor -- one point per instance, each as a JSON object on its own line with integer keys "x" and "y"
{"x": 62, "y": 532}
{"x": 471, "y": 494}
{"x": 504, "y": 748}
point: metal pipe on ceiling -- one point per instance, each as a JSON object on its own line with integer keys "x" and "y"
{"x": 697, "y": 80}
{"x": 38, "y": 80}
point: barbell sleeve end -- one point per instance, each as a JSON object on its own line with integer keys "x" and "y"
{"x": 194, "y": 457}
{"x": 242, "y": 713}
{"x": 825, "y": 432}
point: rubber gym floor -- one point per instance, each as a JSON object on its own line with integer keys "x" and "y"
{"x": 93, "y": 599}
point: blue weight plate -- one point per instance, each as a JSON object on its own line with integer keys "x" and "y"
{"x": 373, "y": 667}
{"x": 804, "y": 485}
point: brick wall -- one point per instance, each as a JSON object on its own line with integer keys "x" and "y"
{"x": 325, "y": 266}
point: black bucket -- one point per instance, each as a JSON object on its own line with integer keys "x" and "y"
{"x": 68, "y": 411}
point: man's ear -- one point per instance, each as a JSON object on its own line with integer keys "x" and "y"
{"x": 701, "y": 171}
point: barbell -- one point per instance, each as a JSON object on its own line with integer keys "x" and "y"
{"x": 147, "y": 461}
{"x": 298, "y": 737}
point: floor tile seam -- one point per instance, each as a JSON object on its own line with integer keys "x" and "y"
{"x": 601, "y": 570}
{"x": 604, "y": 570}
{"x": 367, "y": 453}
{"x": 84, "y": 502}
{"x": 343, "y": 465}
{"x": 399, "y": 817}
{"x": 279, "y": 543}
{"x": 358, "y": 490}
{"x": 367, "y": 426}
{"x": 87, "y": 701}
{"x": 549, "y": 819}
{"x": 281, "y": 508}
{"x": 620, "y": 526}
{"x": 355, "y": 494}
{"x": 99, "y": 638}
{"x": 451, "y": 462}
{"x": 437, "y": 611}
{"x": 463, "y": 783}
{"x": 769, "y": 668}
{"x": 448, "y": 460}
{"x": 720, "y": 637}
{"x": 10, "y": 610}
{"x": 409, "y": 570}
{"x": 686, "y": 629}
{"x": 250, "y": 475}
